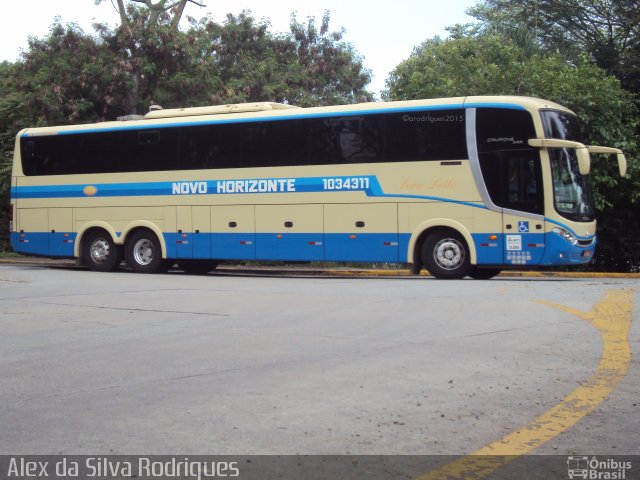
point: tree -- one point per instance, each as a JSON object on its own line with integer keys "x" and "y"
{"x": 607, "y": 30}
{"x": 10, "y": 101}
{"x": 152, "y": 56}
{"x": 67, "y": 77}
{"x": 309, "y": 67}
{"x": 493, "y": 64}
{"x": 158, "y": 12}
{"x": 237, "y": 61}
{"x": 464, "y": 66}
{"x": 325, "y": 70}
{"x": 158, "y": 65}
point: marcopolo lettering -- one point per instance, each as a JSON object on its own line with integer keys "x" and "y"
{"x": 189, "y": 188}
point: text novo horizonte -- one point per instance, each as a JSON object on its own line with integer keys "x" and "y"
{"x": 278, "y": 185}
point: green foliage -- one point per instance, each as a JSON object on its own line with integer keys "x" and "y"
{"x": 324, "y": 70}
{"x": 157, "y": 64}
{"x": 474, "y": 62}
{"x": 10, "y": 101}
{"x": 307, "y": 67}
{"x": 460, "y": 67}
{"x": 608, "y": 31}
{"x": 66, "y": 77}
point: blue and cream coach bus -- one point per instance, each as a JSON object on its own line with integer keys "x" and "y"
{"x": 460, "y": 186}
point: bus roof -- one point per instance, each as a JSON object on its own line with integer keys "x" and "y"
{"x": 261, "y": 111}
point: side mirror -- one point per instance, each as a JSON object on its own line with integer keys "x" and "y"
{"x": 582, "y": 152}
{"x": 622, "y": 164}
{"x": 584, "y": 160}
{"x": 622, "y": 161}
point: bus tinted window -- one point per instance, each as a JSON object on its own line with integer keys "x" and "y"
{"x": 560, "y": 125}
{"x": 501, "y": 128}
{"x": 274, "y": 144}
{"x": 432, "y": 135}
{"x": 353, "y": 139}
{"x": 153, "y": 150}
{"x": 393, "y": 137}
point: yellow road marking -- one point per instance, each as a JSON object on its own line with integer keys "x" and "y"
{"x": 612, "y": 318}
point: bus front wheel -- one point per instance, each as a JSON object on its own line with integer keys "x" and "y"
{"x": 100, "y": 253}
{"x": 446, "y": 255}
{"x": 144, "y": 253}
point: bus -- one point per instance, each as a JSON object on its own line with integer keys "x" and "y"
{"x": 461, "y": 187}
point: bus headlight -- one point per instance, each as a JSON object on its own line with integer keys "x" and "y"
{"x": 568, "y": 236}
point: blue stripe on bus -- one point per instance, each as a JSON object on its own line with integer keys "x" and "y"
{"x": 102, "y": 190}
{"x": 537, "y": 249}
{"x": 371, "y": 188}
{"x": 355, "y": 247}
{"x": 58, "y": 244}
{"x": 300, "y": 116}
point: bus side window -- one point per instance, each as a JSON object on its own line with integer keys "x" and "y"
{"x": 29, "y": 150}
{"x": 425, "y": 136}
{"x": 149, "y": 138}
{"x": 324, "y": 141}
{"x": 154, "y": 150}
{"x": 361, "y": 139}
{"x": 46, "y": 156}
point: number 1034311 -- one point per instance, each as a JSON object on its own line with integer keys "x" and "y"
{"x": 345, "y": 183}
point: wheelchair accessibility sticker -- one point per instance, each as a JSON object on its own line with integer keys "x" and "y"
{"x": 523, "y": 227}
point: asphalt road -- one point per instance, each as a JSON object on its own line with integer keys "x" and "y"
{"x": 120, "y": 363}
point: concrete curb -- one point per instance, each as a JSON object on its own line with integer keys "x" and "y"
{"x": 507, "y": 273}
{"x": 351, "y": 272}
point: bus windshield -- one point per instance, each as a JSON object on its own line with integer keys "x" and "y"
{"x": 572, "y": 194}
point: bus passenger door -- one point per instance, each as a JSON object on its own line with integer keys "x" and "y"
{"x": 523, "y": 221}
{"x": 512, "y": 175}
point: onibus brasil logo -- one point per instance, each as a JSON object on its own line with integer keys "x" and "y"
{"x": 597, "y": 469}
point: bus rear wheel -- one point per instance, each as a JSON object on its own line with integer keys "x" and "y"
{"x": 100, "y": 253}
{"x": 479, "y": 273}
{"x": 143, "y": 253}
{"x": 197, "y": 267}
{"x": 446, "y": 255}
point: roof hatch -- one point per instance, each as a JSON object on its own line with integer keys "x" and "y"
{"x": 218, "y": 110}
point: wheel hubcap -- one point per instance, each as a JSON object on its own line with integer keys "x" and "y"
{"x": 143, "y": 252}
{"x": 449, "y": 254}
{"x": 99, "y": 250}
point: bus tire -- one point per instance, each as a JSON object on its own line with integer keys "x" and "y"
{"x": 480, "y": 273}
{"x": 100, "y": 253}
{"x": 143, "y": 253}
{"x": 197, "y": 267}
{"x": 446, "y": 255}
